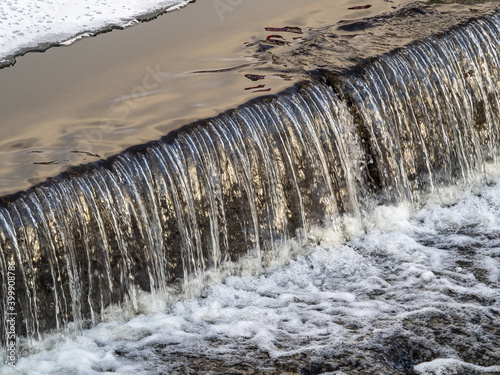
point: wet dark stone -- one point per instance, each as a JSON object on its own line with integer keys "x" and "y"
{"x": 402, "y": 353}
{"x": 418, "y": 10}
{"x": 355, "y": 26}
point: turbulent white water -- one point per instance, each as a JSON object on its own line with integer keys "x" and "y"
{"x": 26, "y": 24}
{"x": 397, "y": 273}
{"x": 380, "y": 289}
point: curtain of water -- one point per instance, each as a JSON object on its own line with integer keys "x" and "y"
{"x": 431, "y": 110}
{"x": 250, "y": 179}
{"x": 241, "y": 183}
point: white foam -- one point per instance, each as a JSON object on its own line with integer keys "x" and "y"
{"x": 450, "y": 366}
{"x": 26, "y": 24}
{"x": 428, "y": 276}
{"x": 331, "y": 295}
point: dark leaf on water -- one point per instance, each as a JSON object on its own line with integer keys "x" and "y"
{"x": 254, "y": 77}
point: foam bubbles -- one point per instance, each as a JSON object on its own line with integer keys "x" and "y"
{"x": 450, "y": 366}
{"x": 416, "y": 292}
{"x": 427, "y": 276}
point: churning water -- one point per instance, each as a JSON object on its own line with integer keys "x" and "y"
{"x": 340, "y": 180}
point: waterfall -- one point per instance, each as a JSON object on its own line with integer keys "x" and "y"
{"x": 431, "y": 110}
{"x": 249, "y": 180}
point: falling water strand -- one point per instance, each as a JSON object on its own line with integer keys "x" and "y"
{"x": 242, "y": 183}
{"x": 432, "y": 109}
{"x": 246, "y": 182}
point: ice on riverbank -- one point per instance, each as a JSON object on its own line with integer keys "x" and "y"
{"x": 28, "y": 24}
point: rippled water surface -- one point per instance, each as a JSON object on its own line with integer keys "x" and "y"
{"x": 78, "y": 104}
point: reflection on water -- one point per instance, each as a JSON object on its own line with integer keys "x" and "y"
{"x": 69, "y": 98}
